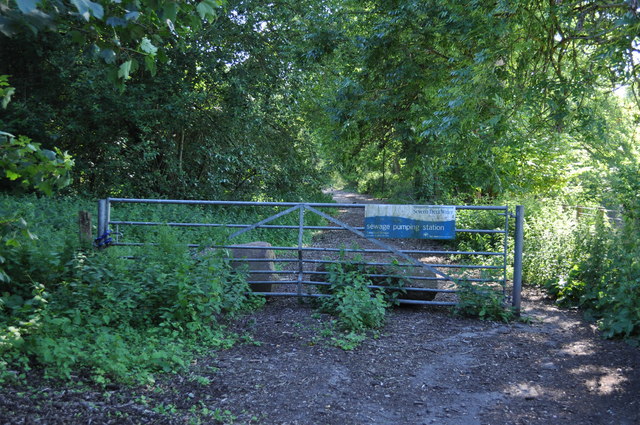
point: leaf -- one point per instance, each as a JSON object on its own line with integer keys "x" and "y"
{"x": 132, "y": 16}
{"x": 150, "y": 64}
{"x": 115, "y": 21}
{"x": 12, "y": 175}
{"x": 108, "y": 55}
{"x": 77, "y": 37}
{"x": 205, "y": 10}
{"x": 49, "y": 154}
{"x": 170, "y": 11}
{"x": 148, "y": 47}
{"x": 124, "y": 70}
{"x": 7, "y": 27}
{"x": 27, "y": 6}
{"x": 6, "y": 98}
{"x": 88, "y": 8}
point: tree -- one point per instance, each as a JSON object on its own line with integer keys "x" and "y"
{"x": 219, "y": 119}
{"x": 479, "y": 98}
{"x": 122, "y": 34}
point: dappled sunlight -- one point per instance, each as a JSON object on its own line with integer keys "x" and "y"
{"x": 578, "y": 348}
{"x": 528, "y": 391}
{"x": 602, "y": 380}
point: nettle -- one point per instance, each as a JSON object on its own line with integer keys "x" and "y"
{"x": 356, "y": 306}
{"x": 113, "y": 318}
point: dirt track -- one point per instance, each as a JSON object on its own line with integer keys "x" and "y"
{"x": 426, "y": 367}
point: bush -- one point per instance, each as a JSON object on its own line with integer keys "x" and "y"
{"x": 355, "y": 305}
{"x": 587, "y": 262}
{"x": 106, "y": 317}
{"x": 482, "y": 301}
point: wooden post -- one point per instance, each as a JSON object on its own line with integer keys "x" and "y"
{"x": 84, "y": 224}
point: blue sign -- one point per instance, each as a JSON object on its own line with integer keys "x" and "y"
{"x": 410, "y": 221}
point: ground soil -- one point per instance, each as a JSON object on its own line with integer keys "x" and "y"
{"x": 425, "y": 367}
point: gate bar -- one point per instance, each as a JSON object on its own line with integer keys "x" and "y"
{"x": 263, "y": 226}
{"x": 266, "y": 220}
{"x": 366, "y": 251}
{"x": 103, "y": 216}
{"x": 279, "y": 204}
{"x": 300, "y": 242}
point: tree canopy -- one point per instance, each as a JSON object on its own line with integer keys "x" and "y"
{"x": 423, "y": 98}
{"x": 478, "y": 97}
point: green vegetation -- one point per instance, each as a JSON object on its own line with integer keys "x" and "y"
{"x": 482, "y": 301}
{"x": 352, "y": 301}
{"x": 358, "y": 309}
{"x": 589, "y": 262}
{"x": 94, "y": 315}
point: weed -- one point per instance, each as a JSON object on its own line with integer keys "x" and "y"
{"x": 351, "y": 300}
{"x": 112, "y": 318}
{"x": 248, "y": 339}
{"x": 202, "y": 380}
{"x": 223, "y": 416}
{"x": 357, "y": 307}
{"x": 165, "y": 409}
{"x": 482, "y": 301}
{"x": 348, "y": 340}
{"x": 586, "y": 262}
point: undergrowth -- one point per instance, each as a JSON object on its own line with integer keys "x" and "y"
{"x": 86, "y": 315}
{"x": 588, "y": 262}
{"x": 483, "y": 301}
{"x": 352, "y": 301}
{"x": 358, "y": 309}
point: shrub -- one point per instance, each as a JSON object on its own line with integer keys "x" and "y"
{"x": 587, "y": 262}
{"x": 482, "y": 301}
{"x": 101, "y": 316}
{"x": 355, "y": 305}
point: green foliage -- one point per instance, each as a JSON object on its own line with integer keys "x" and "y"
{"x": 483, "y": 301}
{"x": 26, "y": 163}
{"x": 348, "y": 340}
{"x": 355, "y": 305}
{"x": 627, "y": 189}
{"x": 483, "y": 220}
{"x": 587, "y": 262}
{"x": 120, "y": 34}
{"x": 426, "y": 100}
{"x": 217, "y": 121}
{"x": 6, "y": 91}
{"x": 102, "y": 317}
{"x": 32, "y": 167}
{"x": 435, "y": 98}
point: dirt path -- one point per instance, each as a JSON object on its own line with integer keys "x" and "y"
{"x": 426, "y": 367}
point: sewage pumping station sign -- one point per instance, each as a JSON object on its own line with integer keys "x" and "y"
{"x": 410, "y": 221}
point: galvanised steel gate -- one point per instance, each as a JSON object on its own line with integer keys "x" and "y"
{"x": 441, "y": 266}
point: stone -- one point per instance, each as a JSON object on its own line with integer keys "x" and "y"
{"x": 257, "y": 251}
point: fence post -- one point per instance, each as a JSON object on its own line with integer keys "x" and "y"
{"x": 300, "y": 241}
{"x": 84, "y": 227}
{"x": 517, "y": 259}
{"x": 103, "y": 216}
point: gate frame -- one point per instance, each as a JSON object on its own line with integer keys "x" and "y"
{"x": 104, "y": 220}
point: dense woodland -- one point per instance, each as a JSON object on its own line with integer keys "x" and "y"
{"x": 530, "y": 102}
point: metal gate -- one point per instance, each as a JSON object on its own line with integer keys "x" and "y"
{"x": 430, "y": 275}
